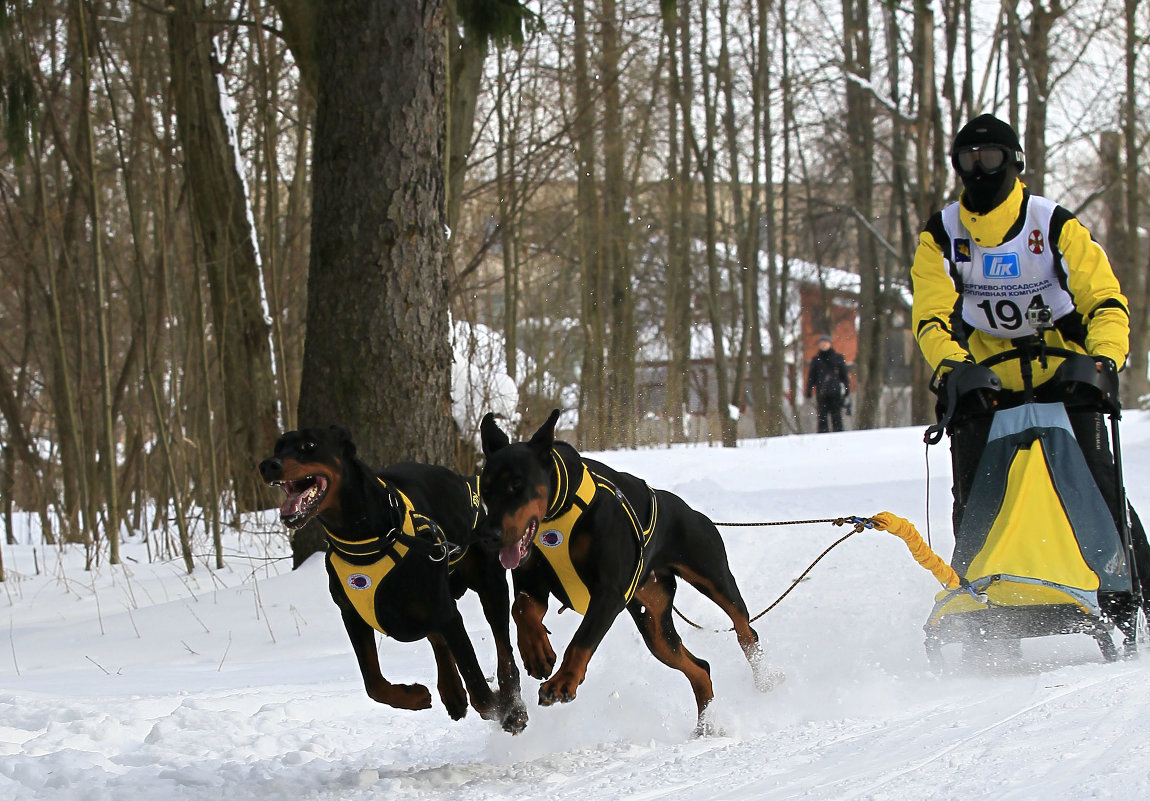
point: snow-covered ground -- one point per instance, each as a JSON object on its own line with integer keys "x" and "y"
{"x": 142, "y": 682}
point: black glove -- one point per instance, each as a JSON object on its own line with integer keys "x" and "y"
{"x": 1106, "y": 364}
{"x": 965, "y": 378}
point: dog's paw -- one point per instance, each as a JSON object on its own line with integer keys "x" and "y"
{"x": 514, "y": 717}
{"x": 405, "y": 696}
{"x": 767, "y": 676}
{"x": 456, "y": 708}
{"x": 556, "y": 691}
{"x": 538, "y": 662}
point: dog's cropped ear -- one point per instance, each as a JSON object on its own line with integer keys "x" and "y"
{"x": 491, "y": 435}
{"x": 543, "y": 440}
{"x": 343, "y": 438}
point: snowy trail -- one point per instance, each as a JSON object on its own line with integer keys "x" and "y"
{"x": 141, "y": 682}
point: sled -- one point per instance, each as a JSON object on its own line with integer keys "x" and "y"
{"x": 1038, "y": 552}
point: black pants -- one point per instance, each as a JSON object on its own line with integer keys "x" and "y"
{"x": 968, "y": 439}
{"x": 830, "y": 406}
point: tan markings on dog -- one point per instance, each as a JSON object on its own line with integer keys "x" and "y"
{"x": 516, "y": 522}
{"x": 747, "y": 640}
{"x": 580, "y": 549}
{"x": 665, "y": 643}
{"x": 295, "y": 471}
{"x": 534, "y": 644}
{"x": 565, "y": 684}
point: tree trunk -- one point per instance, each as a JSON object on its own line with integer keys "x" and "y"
{"x": 1130, "y": 267}
{"x": 1037, "y": 91}
{"x": 728, "y": 430}
{"x": 377, "y": 356}
{"x": 107, "y": 428}
{"x": 617, "y": 245}
{"x": 677, "y": 316}
{"x": 860, "y": 113}
{"x": 223, "y": 217}
{"x": 592, "y": 390}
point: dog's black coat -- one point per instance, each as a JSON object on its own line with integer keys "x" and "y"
{"x": 323, "y": 479}
{"x": 518, "y": 485}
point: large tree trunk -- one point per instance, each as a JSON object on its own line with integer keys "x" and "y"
{"x": 377, "y": 357}
{"x": 223, "y": 218}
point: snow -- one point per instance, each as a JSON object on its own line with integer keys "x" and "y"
{"x": 139, "y": 681}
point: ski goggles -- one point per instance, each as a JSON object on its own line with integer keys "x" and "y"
{"x": 987, "y": 159}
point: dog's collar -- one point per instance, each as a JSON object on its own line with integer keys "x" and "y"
{"x": 569, "y": 473}
{"x": 375, "y": 545}
{"x": 414, "y": 530}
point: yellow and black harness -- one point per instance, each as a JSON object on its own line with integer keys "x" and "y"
{"x": 363, "y": 565}
{"x": 567, "y": 504}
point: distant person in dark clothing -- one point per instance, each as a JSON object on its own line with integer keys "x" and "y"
{"x": 829, "y": 384}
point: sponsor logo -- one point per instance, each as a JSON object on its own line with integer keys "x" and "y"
{"x": 551, "y": 537}
{"x": 1000, "y": 265}
{"x": 961, "y": 250}
{"x": 1035, "y": 242}
{"x": 358, "y": 581}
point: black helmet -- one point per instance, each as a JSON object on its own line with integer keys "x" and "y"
{"x": 985, "y": 130}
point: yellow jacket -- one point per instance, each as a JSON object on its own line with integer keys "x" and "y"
{"x": 946, "y": 324}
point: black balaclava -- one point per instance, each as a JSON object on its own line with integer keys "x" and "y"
{"x": 985, "y": 192}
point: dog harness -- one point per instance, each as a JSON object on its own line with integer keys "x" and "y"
{"x": 363, "y": 565}
{"x": 567, "y": 505}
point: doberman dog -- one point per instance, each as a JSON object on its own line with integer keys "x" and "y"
{"x": 601, "y": 541}
{"x": 402, "y": 550}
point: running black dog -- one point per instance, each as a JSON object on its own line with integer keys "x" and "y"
{"x": 401, "y": 551}
{"x": 601, "y": 541}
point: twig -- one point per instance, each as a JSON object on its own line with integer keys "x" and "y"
{"x": 197, "y": 617}
{"x": 225, "y": 656}
{"x": 260, "y": 608}
{"x": 12, "y": 642}
{"x": 99, "y": 612}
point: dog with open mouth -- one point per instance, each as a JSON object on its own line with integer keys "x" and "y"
{"x": 402, "y": 549}
{"x": 602, "y": 541}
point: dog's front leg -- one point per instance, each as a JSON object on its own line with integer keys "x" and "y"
{"x": 379, "y": 689}
{"x": 498, "y": 613}
{"x": 449, "y": 686}
{"x": 534, "y": 644}
{"x": 561, "y": 688}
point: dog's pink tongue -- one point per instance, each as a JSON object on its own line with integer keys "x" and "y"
{"x": 291, "y": 505}
{"x": 509, "y": 556}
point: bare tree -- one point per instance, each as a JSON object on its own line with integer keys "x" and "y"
{"x": 232, "y": 260}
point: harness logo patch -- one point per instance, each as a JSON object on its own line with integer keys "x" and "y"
{"x": 358, "y": 581}
{"x": 552, "y": 538}
{"x": 961, "y": 250}
{"x": 1000, "y": 265}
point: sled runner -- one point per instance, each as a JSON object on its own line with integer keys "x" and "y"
{"x": 1037, "y": 552}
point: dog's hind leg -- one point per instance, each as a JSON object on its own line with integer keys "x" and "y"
{"x": 651, "y": 610}
{"x": 723, "y": 591}
{"x": 449, "y": 685}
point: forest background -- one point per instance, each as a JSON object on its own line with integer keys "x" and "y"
{"x": 222, "y": 219}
